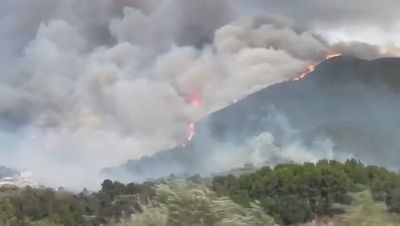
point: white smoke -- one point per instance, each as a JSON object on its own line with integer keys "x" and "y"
{"x": 90, "y": 84}
{"x": 265, "y": 149}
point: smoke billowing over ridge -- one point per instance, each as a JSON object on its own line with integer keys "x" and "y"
{"x": 89, "y": 84}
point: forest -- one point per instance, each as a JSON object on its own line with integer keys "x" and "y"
{"x": 286, "y": 194}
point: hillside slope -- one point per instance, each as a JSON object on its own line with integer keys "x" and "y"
{"x": 351, "y": 104}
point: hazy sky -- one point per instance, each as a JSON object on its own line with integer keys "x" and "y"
{"x": 371, "y": 21}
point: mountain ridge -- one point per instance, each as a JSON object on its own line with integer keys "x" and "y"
{"x": 349, "y": 101}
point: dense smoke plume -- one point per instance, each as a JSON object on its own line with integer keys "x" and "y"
{"x": 358, "y": 20}
{"x": 89, "y": 84}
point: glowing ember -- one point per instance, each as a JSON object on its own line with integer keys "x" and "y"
{"x": 191, "y": 131}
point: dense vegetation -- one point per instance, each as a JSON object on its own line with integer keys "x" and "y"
{"x": 20, "y": 207}
{"x": 39, "y": 207}
{"x": 295, "y": 193}
{"x": 289, "y": 193}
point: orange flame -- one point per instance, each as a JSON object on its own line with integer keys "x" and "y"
{"x": 196, "y": 101}
{"x": 332, "y": 55}
{"x": 311, "y": 68}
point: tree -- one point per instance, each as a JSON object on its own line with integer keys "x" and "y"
{"x": 292, "y": 193}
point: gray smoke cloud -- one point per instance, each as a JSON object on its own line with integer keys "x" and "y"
{"x": 370, "y": 21}
{"x": 89, "y": 84}
{"x": 333, "y": 12}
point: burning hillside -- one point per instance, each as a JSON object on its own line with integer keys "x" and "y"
{"x": 346, "y": 108}
{"x": 89, "y": 85}
{"x": 311, "y": 67}
{"x": 196, "y": 101}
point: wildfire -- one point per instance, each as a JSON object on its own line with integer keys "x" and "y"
{"x": 196, "y": 101}
{"x": 311, "y": 68}
{"x": 332, "y": 55}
